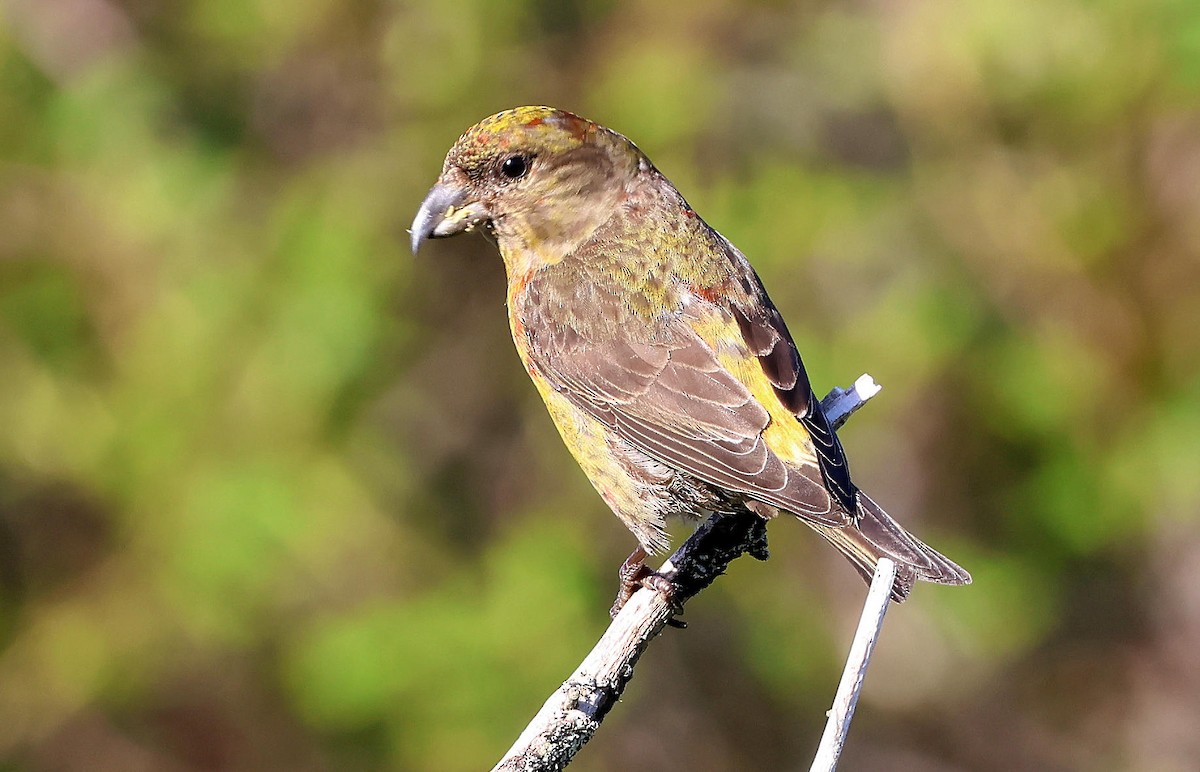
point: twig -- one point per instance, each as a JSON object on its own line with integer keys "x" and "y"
{"x": 573, "y": 713}
{"x": 869, "y": 625}
{"x": 840, "y": 404}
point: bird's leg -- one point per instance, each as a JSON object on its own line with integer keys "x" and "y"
{"x": 630, "y": 576}
{"x": 634, "y": 573}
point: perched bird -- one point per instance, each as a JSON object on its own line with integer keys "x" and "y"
{"x": 668, "y": 371}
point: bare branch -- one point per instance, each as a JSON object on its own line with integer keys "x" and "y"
{"x": 869, "y": 625}
{"x": 573, "y": 713}
{"x": 840, "y": 404}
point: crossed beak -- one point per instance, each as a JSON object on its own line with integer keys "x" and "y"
{"x": 446, "y": 211}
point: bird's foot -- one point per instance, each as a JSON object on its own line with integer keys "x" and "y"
{"x": 633, "y": 574}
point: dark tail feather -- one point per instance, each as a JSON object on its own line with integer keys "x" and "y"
{"x": 877, "y": 535}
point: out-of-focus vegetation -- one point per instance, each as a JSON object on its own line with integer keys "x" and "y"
{"x": 274, "y": 495}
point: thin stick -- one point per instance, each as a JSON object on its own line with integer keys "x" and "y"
{"x": 571, "y": 715}
{"x": 869, "y": 626}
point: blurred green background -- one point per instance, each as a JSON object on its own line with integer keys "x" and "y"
{"x": 275, "y": 495}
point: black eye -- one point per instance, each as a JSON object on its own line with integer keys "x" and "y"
{"x": 514, "y": 167}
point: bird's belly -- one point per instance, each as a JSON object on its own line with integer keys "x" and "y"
{"x": 641, "y": 491}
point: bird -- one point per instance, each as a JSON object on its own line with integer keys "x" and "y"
{"x": 665, "y": 366}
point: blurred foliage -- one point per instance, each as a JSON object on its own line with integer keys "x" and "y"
{"x": 274, "y": 495}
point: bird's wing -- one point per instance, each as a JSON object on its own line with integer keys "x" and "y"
{"x": 711, "y": 414}
{"x": 766, "y": 335}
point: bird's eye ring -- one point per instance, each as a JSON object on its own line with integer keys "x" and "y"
{"x": 514, "y": 167}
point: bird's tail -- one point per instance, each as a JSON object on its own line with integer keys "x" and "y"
{"x": 877, "y": 535}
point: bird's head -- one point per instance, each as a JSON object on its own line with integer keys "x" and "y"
{"x": 539, "y": 179}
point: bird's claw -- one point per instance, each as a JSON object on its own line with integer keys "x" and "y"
{"x": 634, "y": 574}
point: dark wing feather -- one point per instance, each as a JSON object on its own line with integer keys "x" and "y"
{"x": 766, "y": 334}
